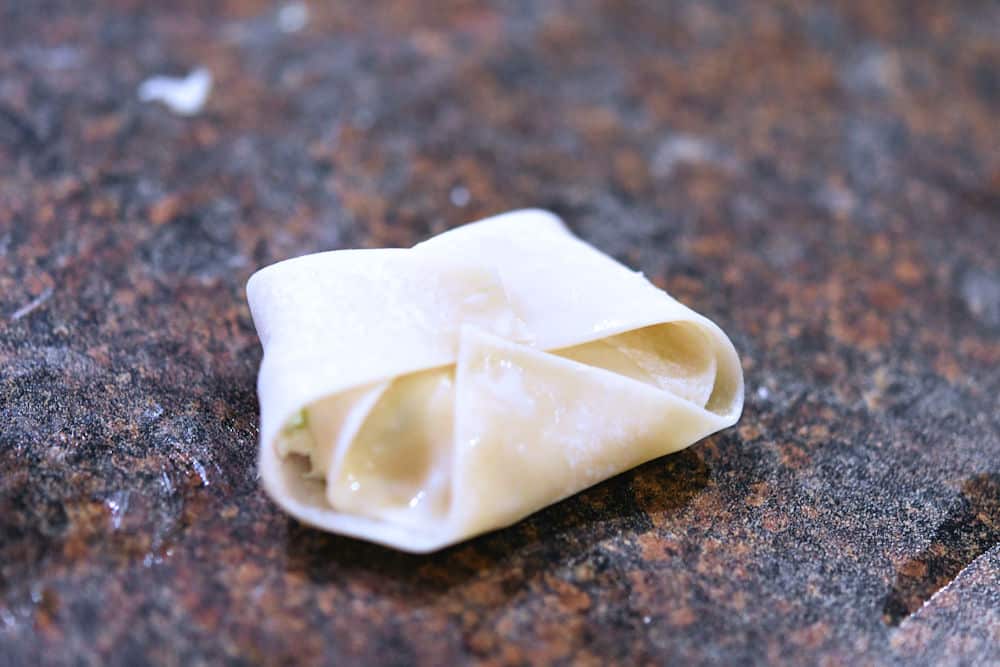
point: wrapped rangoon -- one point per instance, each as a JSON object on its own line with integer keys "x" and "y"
{"x": 418, "y": 397}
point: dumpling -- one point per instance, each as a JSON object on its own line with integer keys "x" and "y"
{"x": 418, "y": 397}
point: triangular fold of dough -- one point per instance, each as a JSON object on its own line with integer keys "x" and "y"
{"x": 532, "y": 428}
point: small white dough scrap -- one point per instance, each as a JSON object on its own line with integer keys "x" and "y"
{"x": 419, "y": 397}
{"x": 185, "y": 95}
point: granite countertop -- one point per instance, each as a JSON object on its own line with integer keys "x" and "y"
{"x": 822, "y": 179}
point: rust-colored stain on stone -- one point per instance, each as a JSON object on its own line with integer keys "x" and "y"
{"x": 820, "y": 178}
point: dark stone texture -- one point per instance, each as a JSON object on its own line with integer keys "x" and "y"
{"x": 821, "y": 178}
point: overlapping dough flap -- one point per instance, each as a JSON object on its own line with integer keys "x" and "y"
{"x": 418, "y": 397}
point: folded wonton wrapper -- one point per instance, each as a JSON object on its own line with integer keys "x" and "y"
{"x": 418, "y": 397}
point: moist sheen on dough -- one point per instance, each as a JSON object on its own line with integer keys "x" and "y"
{"x": 418, "y": 397}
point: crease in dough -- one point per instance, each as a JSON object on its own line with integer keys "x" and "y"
{"x": 537, "y": 367}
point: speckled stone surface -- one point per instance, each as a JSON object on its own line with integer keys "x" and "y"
{"x": 822, "y": 179}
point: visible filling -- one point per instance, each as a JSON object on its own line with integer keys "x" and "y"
{"x": 400, "y": 458}
{"x": 385, "y": 451}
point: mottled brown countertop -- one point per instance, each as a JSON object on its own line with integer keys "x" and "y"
{"x": 823, "y": 179}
